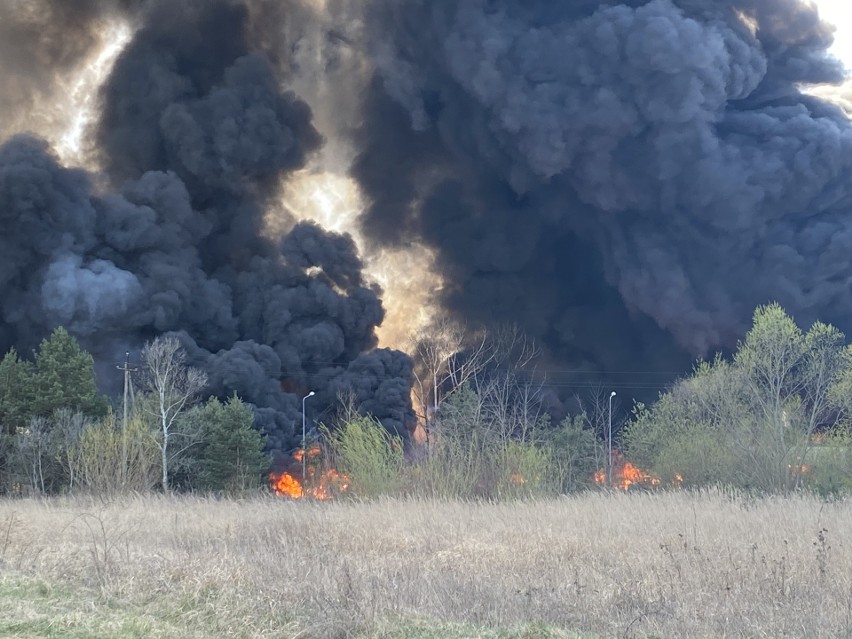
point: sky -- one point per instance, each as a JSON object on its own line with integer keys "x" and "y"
{"x": 839, "y": 13}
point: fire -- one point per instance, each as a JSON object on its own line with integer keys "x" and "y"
{"x": 286, "y": 484}
{"x": 631, "y": 475}
{"x": 625, "y": 475}
{"x": 329, "y": 484}
{"x": 517, "y": 479}
{"x": 313, "y": 453}
{"x": 316, "y": 484}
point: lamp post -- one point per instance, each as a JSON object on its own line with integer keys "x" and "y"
{"x": 609, "y": 438}
{"x": 304, "y": 442}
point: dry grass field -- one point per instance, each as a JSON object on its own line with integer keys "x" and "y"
{"x": 594, "y": 565}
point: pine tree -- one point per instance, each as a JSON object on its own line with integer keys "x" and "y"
{"x": 15, "y": 392}
{"x": 64, "y": 377}
{"x": 232, "y": 456}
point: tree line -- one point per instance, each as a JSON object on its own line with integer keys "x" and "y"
{"x": 774, "y": 416}
{"x": 59, "y": 434}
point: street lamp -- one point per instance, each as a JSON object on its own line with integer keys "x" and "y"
{"x": 609, "y": 437}
{"x": 304, "y": 442}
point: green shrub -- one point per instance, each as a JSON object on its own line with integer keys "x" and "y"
{"x": 828, "y": 466}
{"x": 522, "y": 469}
{"x": 113, "y": 460}
{"x": 574, "y": 453}
{"x": 370, "y": 456}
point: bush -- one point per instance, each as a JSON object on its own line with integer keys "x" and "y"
{"x": 828, "y": 468}
{"x": 748, "y": 421}
{"x": 368, "y": 455}
{"x": 575, "y": 454}
{"x": 114, "y": 460}
{"x": 522, "y": 469}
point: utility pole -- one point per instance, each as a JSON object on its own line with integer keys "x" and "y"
{"x": 305, "y": 446}
{"x": 125, "y": 368}
{"x": 609, "y": 440}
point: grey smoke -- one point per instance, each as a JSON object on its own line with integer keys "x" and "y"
{"x": 75, "y": 294}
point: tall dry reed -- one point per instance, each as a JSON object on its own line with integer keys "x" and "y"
{"x": 627, "y": 565}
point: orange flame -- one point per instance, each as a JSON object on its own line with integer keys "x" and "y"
{"x": 286, "y": 484}
{"x": 318, "y": 485}
{"x": 517, "y": 479}
{"x": 313, "y": 453}
{"x": 330, "y": 483}
{"x": 631, "y": 475}
{"x": 625, "y": 475}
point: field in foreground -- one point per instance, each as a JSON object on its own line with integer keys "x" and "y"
{"x": 593, "y": 565}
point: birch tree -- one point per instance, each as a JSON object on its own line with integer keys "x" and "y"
{"x": 174, "y": 387}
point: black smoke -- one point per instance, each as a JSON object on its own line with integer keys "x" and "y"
{"x": 625, "y": 181}
{"x": 195, "y": 135}
{"x": 583, "y": 167}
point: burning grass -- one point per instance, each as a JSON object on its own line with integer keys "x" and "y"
{"x": 671, "y": 564}
{"x": 316, "y": 482}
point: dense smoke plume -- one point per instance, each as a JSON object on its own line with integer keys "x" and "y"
{"x": 663, "y": 148}
{"x": 624, "y": 181}
{"x": 194, "y": 135}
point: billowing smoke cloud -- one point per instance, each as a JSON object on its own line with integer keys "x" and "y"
{"x": 663, "y": 148}
{"x": 195, "y": 134}
{"x": 623, "y": 180}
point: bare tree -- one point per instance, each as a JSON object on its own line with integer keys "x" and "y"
{"x": 433, "y": 350}
{"x": 173, "y": 385}
{"x": 33, "y": 448}
{"x": 68, "y": 428}
{"x": 595, "y": 414}
{"x": 448, "y": 354}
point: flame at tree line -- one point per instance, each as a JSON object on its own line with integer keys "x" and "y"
{"x": 325, "y": 484}
{"x": 625, "y": 474}
{"x": 317, "y": 483}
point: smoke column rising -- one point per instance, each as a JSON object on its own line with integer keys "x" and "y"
{"x": 661, "y": 148}
{"x": 624, "y": 181}
{"x": 194, "y": 135}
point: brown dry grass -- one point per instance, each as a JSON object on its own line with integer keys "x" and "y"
{"x": 600, "y": 565}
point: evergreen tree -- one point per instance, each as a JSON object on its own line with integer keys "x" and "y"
{"x": 574, "y": 452}
{"x": 231, "y": 456}
{"x": 15, "y": 392}
{"x": 64, "y": 378}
